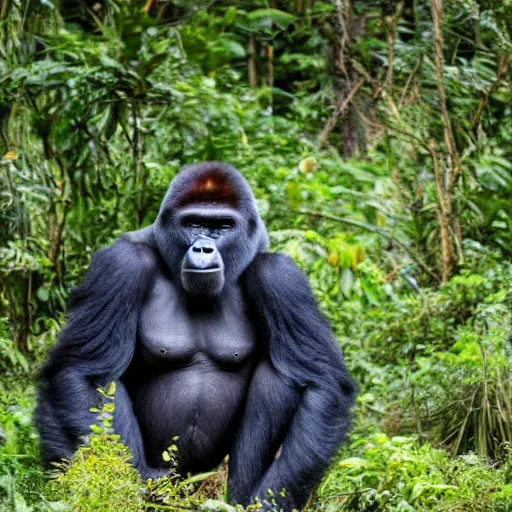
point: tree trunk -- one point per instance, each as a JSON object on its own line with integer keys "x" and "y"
{"x": 251, "y": 63}
{"x": 347, "y": 27}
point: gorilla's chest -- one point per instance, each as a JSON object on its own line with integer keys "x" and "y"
{"x": 174, "y": 330}
{"x": 190, "y": 374}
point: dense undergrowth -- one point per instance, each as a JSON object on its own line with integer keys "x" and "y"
{"x": 97, "y": 114}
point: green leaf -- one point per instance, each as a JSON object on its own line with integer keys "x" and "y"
{"x": 234, "y": 48}
{"x": 199, "y": 478}
{"x": 109, "y": 62}
{"x": 353, "y": 462}
{"x": 230, "y": 15}
{"x": 43, "y": 294}
{"x": 279, "y": 17}
{"x": 347, "y": 281}
{"x": 216, "y": 506}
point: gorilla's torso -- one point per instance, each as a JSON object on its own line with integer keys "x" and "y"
{"x": 193, "y": 367}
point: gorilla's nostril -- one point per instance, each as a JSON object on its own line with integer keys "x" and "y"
{"x": 207, "y": 250}
{"x": 196, "y": 249}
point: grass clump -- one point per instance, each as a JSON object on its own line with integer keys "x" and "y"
{"x": 100, "y": 477}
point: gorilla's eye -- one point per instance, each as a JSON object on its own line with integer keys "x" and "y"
{"x": 223, "y": 224}
{"x": 213, "y": 224}
{"x": 194, "y": 222}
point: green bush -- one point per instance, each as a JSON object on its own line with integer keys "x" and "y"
{"x": 400, "y": 474}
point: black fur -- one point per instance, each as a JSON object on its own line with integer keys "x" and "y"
{"x": 257, "y": 363}
{"x": 95, "y": 348}
{"x": 304, "y": 404}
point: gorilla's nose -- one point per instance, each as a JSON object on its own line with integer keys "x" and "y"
{"x": 202, "y": 255}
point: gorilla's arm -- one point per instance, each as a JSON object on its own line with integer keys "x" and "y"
{"x": 301, "y": 401}
{"x": 95, "y": 347}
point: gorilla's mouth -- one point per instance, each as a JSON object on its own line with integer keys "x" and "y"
{"x": 202, "y": 270}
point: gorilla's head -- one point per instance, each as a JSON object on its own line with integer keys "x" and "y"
{"x": 208, "y": 229}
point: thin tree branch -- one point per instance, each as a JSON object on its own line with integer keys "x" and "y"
{"x": 437, "y": 17}
{"x": 251, "y": 62}
{"x": 503, "y": 65}
{"x": 443, "y": 213}
{"x": 391, "y": 37}
{"x": 409, "y": 81}
{"x": 342, "y": 14}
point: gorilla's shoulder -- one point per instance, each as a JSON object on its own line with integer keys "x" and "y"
{"x": 132, "y": 253}
{"x": 275, "y": 267}
{"x": 141, "y": 236}
{"x": 273, "y": 260}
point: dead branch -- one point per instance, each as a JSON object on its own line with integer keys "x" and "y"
{"x": 344, "y": 102}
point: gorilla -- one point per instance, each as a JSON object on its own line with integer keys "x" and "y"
{"x": 210, "y": 339}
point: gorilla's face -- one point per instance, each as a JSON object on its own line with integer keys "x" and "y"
{"x": 208, "y": 230}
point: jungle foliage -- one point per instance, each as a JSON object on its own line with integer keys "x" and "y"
{"x": 376, "y": 137}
